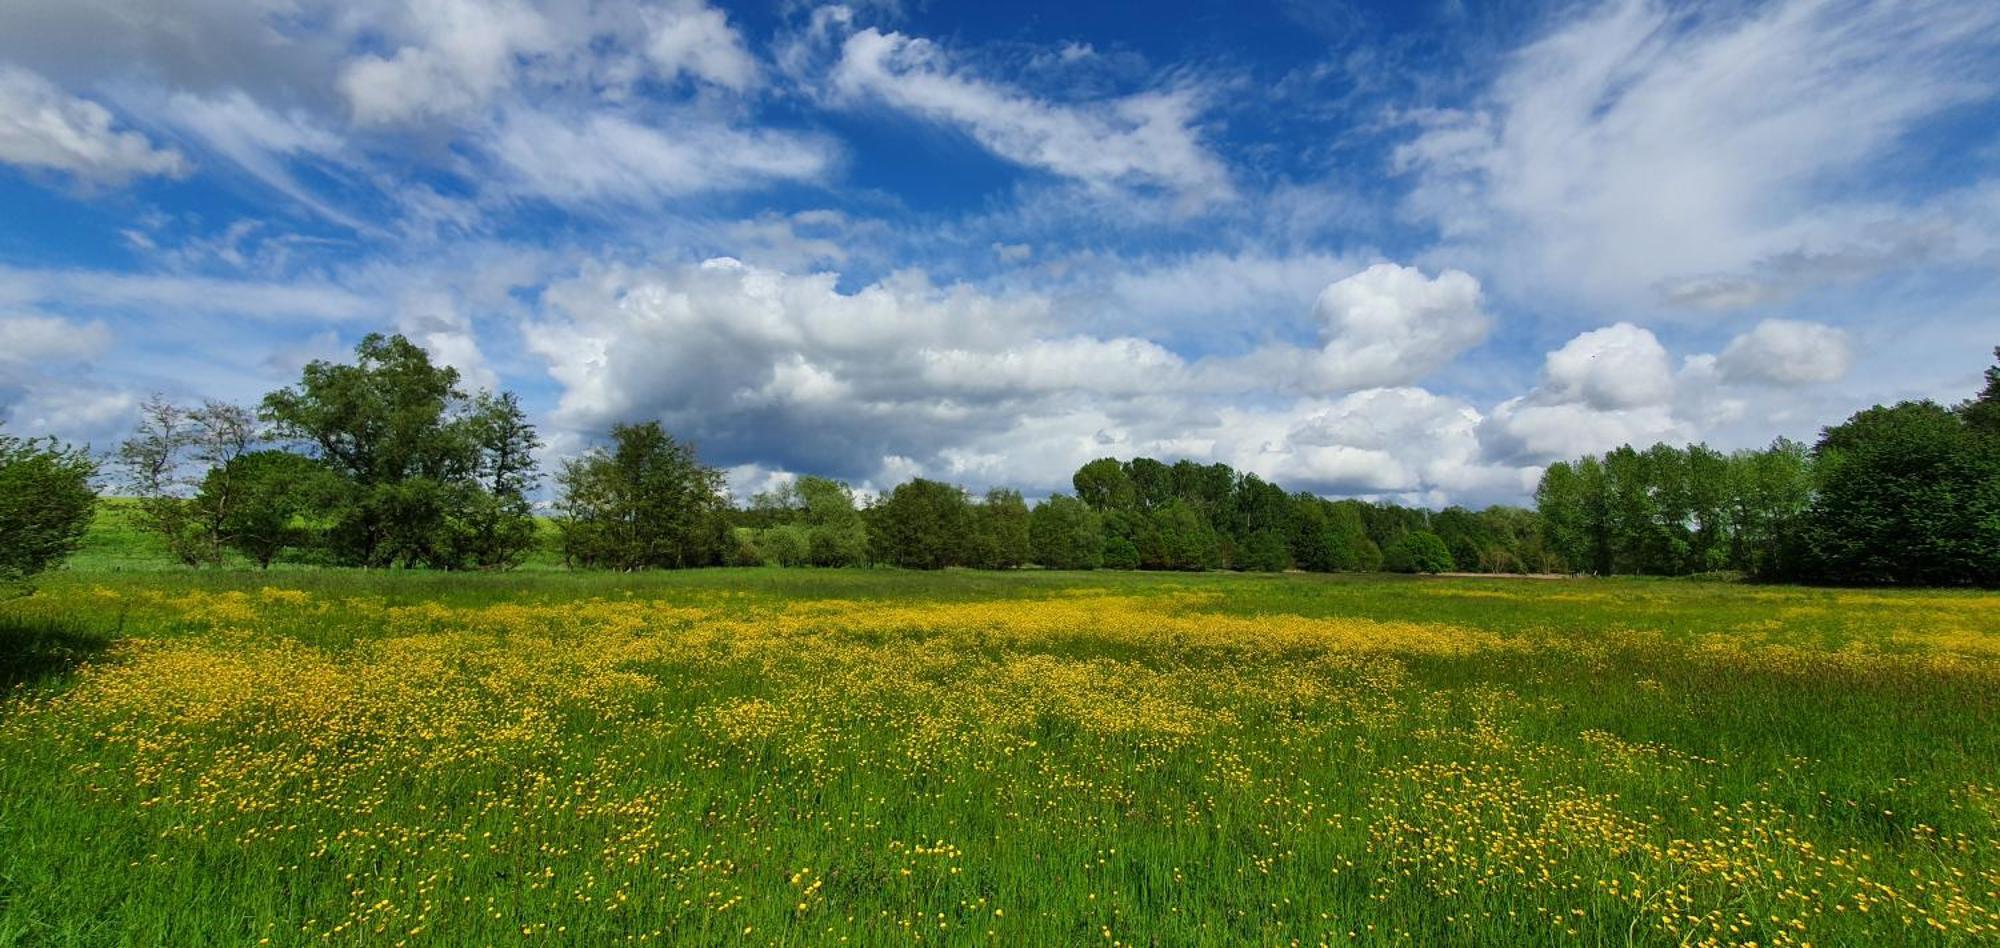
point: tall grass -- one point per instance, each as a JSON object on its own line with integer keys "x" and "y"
{"x": 877, "y": 757}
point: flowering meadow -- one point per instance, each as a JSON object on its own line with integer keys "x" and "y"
{"x": 828, "y": 757}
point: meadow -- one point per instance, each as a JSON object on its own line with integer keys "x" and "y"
{"x": 800, "y": 757}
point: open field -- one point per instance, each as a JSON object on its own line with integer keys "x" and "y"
{"x": 818, "y": 757}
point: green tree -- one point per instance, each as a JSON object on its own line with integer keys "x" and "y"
{"x": 835, "y": 532}
{"x": 1982, "y": 411}
{"x": 494, "y": 524}
{"x": 1419, "y": 551}
{"x": 1000, "y": 531}
{"x": 272, "y": 491}
{"x": 922, "y": 524}
{"x": 1906, "y": 494}
{"x": 167, "y": 463}
{"x": 1064, "y": 533}
{"x": 648, "y": 503}
{"x": 46, "y": 502}
{"x": 1120, "y": 553}
{"x": 1769, "y": 492}
{"x": 1175, "y": 537}
{"x": 1152, "y": 483}
{"x": 1102, "y": 485}
{"x": 434, "y": 477}
{"x": 1266, "y": 551}
{"x": 787, "y": 544}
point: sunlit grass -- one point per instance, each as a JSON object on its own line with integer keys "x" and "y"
{"x": 800, "y": 757}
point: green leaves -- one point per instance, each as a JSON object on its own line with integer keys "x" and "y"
{"x": 46, "y": 501}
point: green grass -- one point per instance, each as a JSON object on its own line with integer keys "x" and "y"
{"x": 1032, "y": 758}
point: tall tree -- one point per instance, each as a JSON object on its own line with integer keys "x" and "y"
{"x": 435, "y": 478}
{"x": 1419, "y": 551}
{"x": 1906, "y": 494}
{"x": 1982, "y": 411}
{"x": 922, "y": 524}
{"x": 494, "y": 525}
{"x": 1064, "y": 533}
{"x": 272, "y": 493}
{"x": 648, "y": 502}
{"x": 167, "y": 464}
{"x": 836, "y": 535}
{"x": 1102, "y": 485}
{"x": 1000, "y": 531}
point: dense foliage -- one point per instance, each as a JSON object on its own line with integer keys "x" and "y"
{"x": 1907, "y": 493}
{"x": 45, "y": 505}
{"x": 1186, "y": 516}
{"x": 646, "y": 503}
{"x": 391, "y": 464}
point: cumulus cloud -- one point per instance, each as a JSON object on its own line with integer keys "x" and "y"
{"x": 1604, "y": 388}
{"x": 1146, "y": 139}
{"x": 791, "y": 372}
{"x": 45, "y": 382}
{"x": 1787, "y": 352}
{"x": 1390, "y": 325}
{"x": 80, "y": 414}
{"x": 1653, "y": 151}
{"x": 1619, "y": 366}
{"x": 44, "y": 128}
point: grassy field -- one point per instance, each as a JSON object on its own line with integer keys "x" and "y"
{"x": 827, "y": 757}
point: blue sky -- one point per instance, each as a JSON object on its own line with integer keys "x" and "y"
{"x": 1405, "y": 250}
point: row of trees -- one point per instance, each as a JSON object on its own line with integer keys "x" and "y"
{"x": 647, "y": 501}
{"x": 387, "y": 461}
{"x": 1905, "y": 493}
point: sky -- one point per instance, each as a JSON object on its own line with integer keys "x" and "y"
{"x": 1410, "y": 251}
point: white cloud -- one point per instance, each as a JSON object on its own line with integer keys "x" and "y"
{"x": 33, "y": 340}
{"x": 607, "y": 157}
{"x": 167, "y": 296}
{"x": 43, "y": 127}
{"x": 80, "y": 414}
{"x": 694, "y": 39}
{"x": 1245, "y": 294}
{"x": 1619, "y": 366}
{"x": 259, "y": 141}
{"x": 903, "y": 376}
{"x": 45, "y": 379}
{"x": 1147, "y": 139}
{"x": 1644, "y": 151}
{"x": 1787, "y": 352}
{"x": 458, "y": 55}
{"x": 1611, "y": 386}
{"x": 1390, "y": 325}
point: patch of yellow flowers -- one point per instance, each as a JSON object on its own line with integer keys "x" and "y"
{"x": 603, "y": 714}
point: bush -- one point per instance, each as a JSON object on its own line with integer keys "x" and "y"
{"x": 1419, "y": 551}
{"x": 45, "y": 504}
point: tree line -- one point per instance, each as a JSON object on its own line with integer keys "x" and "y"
{"x": 1899, "y": 494}
{"x": 387, "y": 461}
